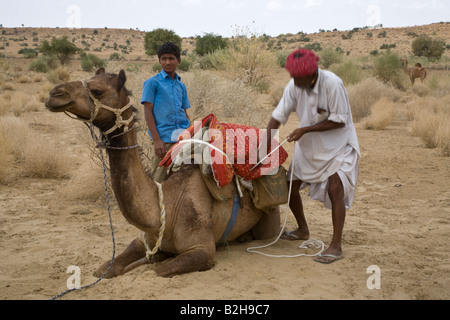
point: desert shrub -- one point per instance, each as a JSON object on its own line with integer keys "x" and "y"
{"x": 430, "y": 118}
{"x": 61, "y": 47}
{"x": 209, "y": 43}
{"x": 116, "y": 57}
{"x": 214, "y": 60}
{"x": 154, "y": 39}
{"x": 282, "y": 58}
{"x": 230, "y": 101}
{"x": 44, "y": 64}
{"x": 5, "y": 103}
{"x": 246, "y": 59}
{"x": 382, "y": 114}
{"x": 424, "y": 46}
{"x": 36, "y": 157}
{"x": 28, "y": 53}
{"x": 185, "y": 65}
{"x": 364, "y": 94}
{"x": 59, "y": 75}
{"x": 24, "y": 79}
{"x": 388, "y": 68}
{"x": 328, "y": 57}
{"x": 439, "y": 84}
{"x": 87, "y": 185}
{"x": 6, "y": 158}
{"x": 348, "y": 71}
{"x": 90, "y": 62}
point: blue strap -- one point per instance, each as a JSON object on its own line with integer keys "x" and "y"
{"x": 233, "y": 218}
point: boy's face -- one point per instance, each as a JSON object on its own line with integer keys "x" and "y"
{"x": 169, "y": 62}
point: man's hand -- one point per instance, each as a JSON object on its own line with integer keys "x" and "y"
{"x": 296, "y": 135}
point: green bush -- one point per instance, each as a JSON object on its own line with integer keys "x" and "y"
{"x": 209, "y": 43}
{"x": 28, "y": 53}
{"x": 282, "y": 57}
{"x": 116, "y": 57}
{"x": 185, "y": 65}
{"x": 329, "y": 56}
{"x": 424, "y": 46}
{"x": 389, "y": 68}
{"x": 348, "y": 71}
{"x": 44, "y": 64}
{"x": 61, "y": 47}
{"x": 154, "y": 39}
{"x": 90, "y": 62}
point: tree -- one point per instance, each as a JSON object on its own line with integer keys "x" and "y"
{"x": 62, "y": 47}
{"x": 154, "y": 39}
{"x": 424, "y": 46}
{"x": 209, "y": 43}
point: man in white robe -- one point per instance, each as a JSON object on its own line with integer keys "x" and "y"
{"x": 326, "y": 153}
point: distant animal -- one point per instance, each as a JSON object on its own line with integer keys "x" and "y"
{"x": 417, "y": 72}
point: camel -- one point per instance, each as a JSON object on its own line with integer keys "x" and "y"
{"x": 417, "y": 72}
{"x": 195, "y": 222}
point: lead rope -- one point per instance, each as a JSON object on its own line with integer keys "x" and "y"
{"x": 91, "y": 129}
{"x": 311, "y": 243}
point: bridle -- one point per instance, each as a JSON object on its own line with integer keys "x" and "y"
{"x": 94, "y": 106}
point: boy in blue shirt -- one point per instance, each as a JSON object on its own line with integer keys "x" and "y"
{"x": 165, "y": 103}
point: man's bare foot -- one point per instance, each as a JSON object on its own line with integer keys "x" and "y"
{"x": 295, "y": 235}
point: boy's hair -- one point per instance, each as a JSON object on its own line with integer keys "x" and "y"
{"x": 170, "y": 48}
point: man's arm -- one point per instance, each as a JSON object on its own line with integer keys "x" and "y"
{"x": 322, "y": 126}
{"x": 160, "y": 148}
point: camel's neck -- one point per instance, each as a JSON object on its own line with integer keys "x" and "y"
{"x": 136, "y": 193}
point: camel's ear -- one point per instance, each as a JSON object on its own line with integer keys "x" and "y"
{"x": 100, "y": 71}
{"x": 121, "y": 80}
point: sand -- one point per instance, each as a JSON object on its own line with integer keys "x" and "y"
{"x": 399, "y": 223}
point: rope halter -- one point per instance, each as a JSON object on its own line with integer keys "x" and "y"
{"x": 94, "y": 109}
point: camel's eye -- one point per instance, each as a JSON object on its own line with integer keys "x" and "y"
{"x": 97, "y": 93}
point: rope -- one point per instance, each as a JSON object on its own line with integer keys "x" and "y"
{"x": 311, "y": 243}
{"x": 149, "y": 252}
{"x": 111, "y": 226}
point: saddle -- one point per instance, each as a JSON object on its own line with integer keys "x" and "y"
{"x": 226, "y": 151}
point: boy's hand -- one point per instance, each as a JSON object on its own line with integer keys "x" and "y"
{"x": 160, "y": 148}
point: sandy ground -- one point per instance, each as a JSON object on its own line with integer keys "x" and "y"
{"x": 399, "y": 222}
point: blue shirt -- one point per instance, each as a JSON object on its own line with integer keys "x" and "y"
{"x": 170, "y": 100}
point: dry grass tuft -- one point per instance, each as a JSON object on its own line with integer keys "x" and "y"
{"x": 87, "y": 184}
{"x": 430, "y": 121}
{"x": 382, "y": 115}
{"x": 364, "y": 94}
{"x": 36, "y": 157}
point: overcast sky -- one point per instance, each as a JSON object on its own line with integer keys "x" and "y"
{"x": 197, "y": 17}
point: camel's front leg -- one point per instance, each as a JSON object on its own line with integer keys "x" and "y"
{"x": 132, "y": 257}
{"x": 199, "y": 258}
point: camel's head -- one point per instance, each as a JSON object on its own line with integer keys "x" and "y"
{"x": 93, "y": 100}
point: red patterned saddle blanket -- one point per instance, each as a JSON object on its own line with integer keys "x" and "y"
{"x": 233, "y": 149}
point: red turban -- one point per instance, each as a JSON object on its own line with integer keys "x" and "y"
{"x": 302, "y": 63}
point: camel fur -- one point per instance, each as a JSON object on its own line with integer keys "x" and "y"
{"x": 417, "y": 72}
{"x": 195, "y": 221}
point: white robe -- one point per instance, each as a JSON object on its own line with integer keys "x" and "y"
{"x": 319, "y": 155}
